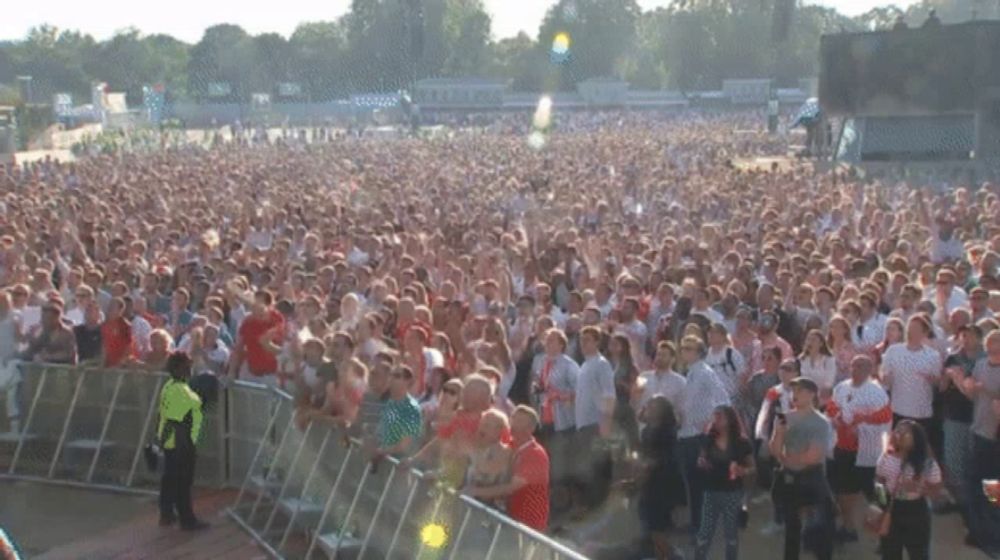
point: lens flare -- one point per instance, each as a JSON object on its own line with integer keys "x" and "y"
{"x": 536, "y": 140}
{"x": 543, "y": 113}
{"x": 560, "y": 45}
{"x": 434, "y": 535}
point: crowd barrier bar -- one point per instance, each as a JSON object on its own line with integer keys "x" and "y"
{"x": 113, "y": 420}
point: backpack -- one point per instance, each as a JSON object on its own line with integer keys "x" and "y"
{"x": 729, "y": 360}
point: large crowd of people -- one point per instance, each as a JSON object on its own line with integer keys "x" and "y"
{"x": 621, "y": 307}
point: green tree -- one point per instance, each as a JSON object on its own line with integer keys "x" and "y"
{"x": 601, "y": 34}
{"x": 225, "y": 53}
{"x": 466, "y": 31}
{"x": 318, "y": 55}
{"x": 520, "y": 60}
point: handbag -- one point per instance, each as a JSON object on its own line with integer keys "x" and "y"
{"x": 878, "y": 521}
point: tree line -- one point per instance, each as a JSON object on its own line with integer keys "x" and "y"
{"x": 384, "y": 45}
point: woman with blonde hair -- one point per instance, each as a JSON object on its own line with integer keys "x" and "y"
{"x": 841, "y": 345}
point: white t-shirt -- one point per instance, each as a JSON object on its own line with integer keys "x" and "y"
{"x": 823, "y": 371}
{"x": 868, "y": 398}
{"x": 904, "y": 371}
{"x": 729, "y": 365}
{"x": 888, "y": 468}
{"x": 669, "y": 384}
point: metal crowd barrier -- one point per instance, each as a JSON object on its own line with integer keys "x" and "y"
{"x": 88, "y": 426}
{"x": 308, "y": 494}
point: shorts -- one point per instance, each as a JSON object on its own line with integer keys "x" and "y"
{"x": 846, "y": 477}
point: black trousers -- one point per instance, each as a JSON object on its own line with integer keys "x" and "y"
{"x": 175, "y": 486}
{"x": 597, "y": 468}
{"x": 910, "y": 530}
{"x": 808, "y": 492}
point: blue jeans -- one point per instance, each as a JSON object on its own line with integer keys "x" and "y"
{"x": 957, "y": 459}
{"x": 724, "y": 504}
{"x": 689, "y": 449}
{"x": 983, "y": 518}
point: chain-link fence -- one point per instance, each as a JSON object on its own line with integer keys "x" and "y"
{"x": 307, "y": 492}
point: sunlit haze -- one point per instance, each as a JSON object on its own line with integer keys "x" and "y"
{"x": 187, "y": 19}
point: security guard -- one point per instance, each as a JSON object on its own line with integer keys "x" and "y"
{"x": 179, "y": 430}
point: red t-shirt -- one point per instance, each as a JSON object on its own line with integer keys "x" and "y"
{"x": 260, "y": 361}
{"x": 530, "y": 504}
{"x": 462, "y": 427}
{"x": 116, "y": 336}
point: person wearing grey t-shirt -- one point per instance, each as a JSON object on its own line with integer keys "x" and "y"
{"x": 983, "y": 389}
{"x": 801, "y": 442}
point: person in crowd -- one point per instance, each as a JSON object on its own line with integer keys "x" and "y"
{"x": 527, "y": 491}
{"x": 160, "y": 347}
{"x": 207, "y": 351}
{"x": 800, "y": 444}
{"x": 555, "y": 377}
{"x": 663, "y": 380}
{"x": 777, "y": 403}
{"x": 400, "y": 424}
{"x": 911, "y": 372}
{"x": 841, "y": 345}
{"x": 957, "y": 416}
{"x": 89, "y": 346}
{"x": 728, "y": 364}
{"x": 658, "y": 479}
{"x": 767, "y": 331}
{"x": 860, "y": 412}
{"x": 443, "y": 408}
{"x": 910, "y": 475}
{"x": 895, "y": 333}
{"x": 744, "y": 339}
{"x": 451, "y": 446}
{"x": 253, "y": 355}
{"x": 55, "y": 342}
{"x": 620, "y": 356}
{"x": 870, "y": 329}
{"x": 594, "y": 407}
{"x": 118, "y": 346}
{"x": 179, "y": 432}
{"x": 818, "y": 364}
{"x": 489, "y": 457}
{"x": 983, "y": 389}
{"x": 758, "y": 386}
{"x": 726, "y": 459}
{"x": 703, "y": 392}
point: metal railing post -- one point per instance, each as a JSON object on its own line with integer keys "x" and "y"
{"x": 403, "y": 519}
{"x": 305, "y": 488}
{"x": 434, "y": 514}
{"x": 104, "y": 428}
{"x": 350, "y": 510}
{"x": 493, "y": 543}
{"x": 66, "y": 423}
{"x": 329, "y": 502}
{"x": 260, "y": 449}
{"x": 284, "y": 483}
{"x": 378, "y": 510}
{"x": 458, "y": 536}
{"x": 145, "y": 431}
{"x": 270, "y": 468}
{"x": 28, "y": 419}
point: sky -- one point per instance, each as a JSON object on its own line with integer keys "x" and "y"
{"x": 187, "y": 19}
